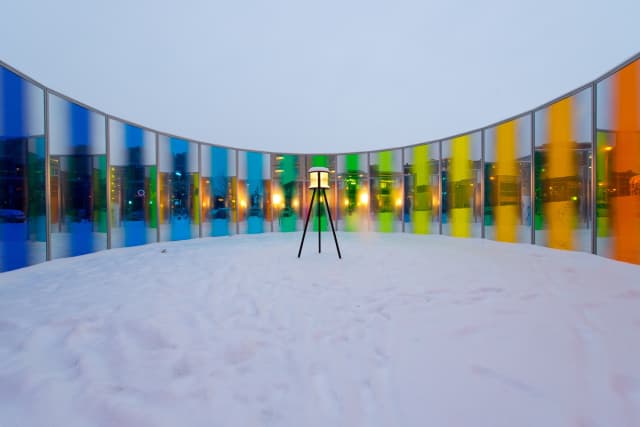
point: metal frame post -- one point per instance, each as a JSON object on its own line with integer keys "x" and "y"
{"x": 200, "y": 190}
{"x": 440, "y": 185}
{"x": 532, "y": 178}
{"x": 594, "y": 164}
{"x": 482, "y": 183}
{"x": 158, "y": 195}
{"x": 47, "y": 176}
{"x": 107, "y": 132}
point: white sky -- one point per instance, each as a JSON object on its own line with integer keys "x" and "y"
{"x": 326, "y": 76}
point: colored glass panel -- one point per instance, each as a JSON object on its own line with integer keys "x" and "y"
{"x": 618, "y": 165}
{"x": 78, "y": 179}
{"x": 288, "y": 192}
{"x": 22, "y": 173}
{"x": 218, "y": 169}
{"x": 254, "y": 186}
{"x": 507, "y": 179}
{"x": 563, "y": 174}
{"x": 179, "y": 189}
{"x": 353, "y": 192}
{"x": 461, "y": 196}
{"x": 132, "y": 153}
{"x": 386, "y": 190}
{"x": 421, "y": 186}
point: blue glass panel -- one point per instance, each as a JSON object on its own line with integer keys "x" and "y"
{"x": 78, "y": 179}
{"x": 179, "y": 189}
{"x": 219, "y": 192}
{"x": 133, "y": 185}
{"x": 22, "y": 154}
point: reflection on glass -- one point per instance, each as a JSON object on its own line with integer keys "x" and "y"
{"x": 422, "y": 198}
{"x": 218, "y": 190}
{"x": 254, "y": 187}
{"x": 22, "y": 179}
{"x": 78, "y": 169}
{"x": 461, "y": 197}
{"x": 507, "y": 215}
{"x": 618, "y": 165}
{"x": 179, "y": 189}
{"x": 353, "y": 192}
{"x": 133, "y": 175}
{"x": 563, "y": 174}
{"x": 386, "y": 190}
{"x": 288, "y": 191}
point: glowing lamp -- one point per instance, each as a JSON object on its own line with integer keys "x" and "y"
{"x": 318, "y": 177}
{"x": 319, "y": 183}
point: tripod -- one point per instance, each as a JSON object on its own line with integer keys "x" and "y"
{"x": 306, "y": 223}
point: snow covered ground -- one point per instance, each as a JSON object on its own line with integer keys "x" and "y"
{"x": 405, "y": 330}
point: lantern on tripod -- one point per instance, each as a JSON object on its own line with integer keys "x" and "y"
{"x": 319, "y": 183}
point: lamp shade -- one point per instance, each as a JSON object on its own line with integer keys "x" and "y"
{"x": 318, "y": 177}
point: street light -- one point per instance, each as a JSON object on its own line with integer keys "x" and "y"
{"x": 319, "y": 182}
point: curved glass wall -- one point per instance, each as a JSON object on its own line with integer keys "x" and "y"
{"x": 565, "y": 175}
{"x": 23, "y": 222}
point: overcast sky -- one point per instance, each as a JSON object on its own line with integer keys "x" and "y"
{"x": 321, "y": 76}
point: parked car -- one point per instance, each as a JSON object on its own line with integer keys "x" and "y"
{"x": 12, "y": 215}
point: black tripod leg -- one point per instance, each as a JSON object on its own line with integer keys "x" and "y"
{"x": 306, "y": 223}
{"x": 326, "y": 202}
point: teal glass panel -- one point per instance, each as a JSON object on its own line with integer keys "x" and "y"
{"x": 218, "y": 190}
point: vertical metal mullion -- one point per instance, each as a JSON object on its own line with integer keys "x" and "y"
{"x": 594, "y": 163}
{"x": 107, "y": 135}
{"x": 369, "y": 189}
{"x": 237, "y": 194}
{"x": 304, "y": 185}
{"x": 403, "y": 197}
{"x": 47, "y": 176}
{"x": 482, "y": 183}
{"x": 200, "y": 189}
{"x": 335, "y": 192}
{"x": 158, "y": 195}
{"x": 440, "y": 185}
{"x": 532, "y": 179}
{"x": 271, "y": 188}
